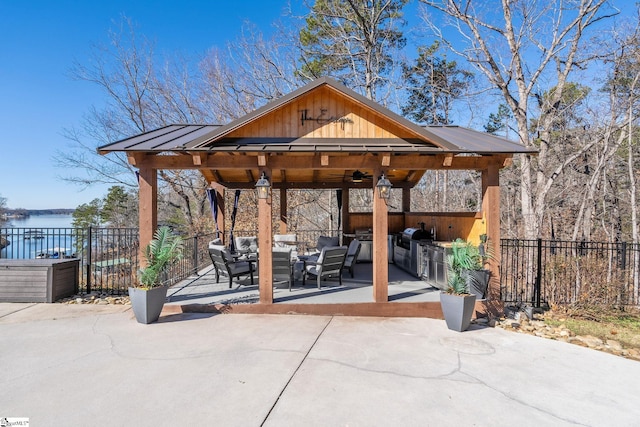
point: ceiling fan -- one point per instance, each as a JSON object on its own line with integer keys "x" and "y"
{"x": 358, "y": 176}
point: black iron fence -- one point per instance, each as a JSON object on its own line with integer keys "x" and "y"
{"x": 570, "y": 273}
{"x": 108, "y": 256}
{"x": 532, "y": 271}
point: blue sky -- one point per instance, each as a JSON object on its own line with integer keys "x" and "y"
{"x": 39, "y": 42}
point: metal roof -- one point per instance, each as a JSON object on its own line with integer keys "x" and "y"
{"x": 212, "y": 138}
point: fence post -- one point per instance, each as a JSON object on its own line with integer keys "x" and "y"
{"x": 538, "y": 283}
{"x": 195, "y": 254}
{"x": 89, "y": 260}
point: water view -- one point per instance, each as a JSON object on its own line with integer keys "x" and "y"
{"x": 38, "y": 236}
{"x": 41, "y": 221}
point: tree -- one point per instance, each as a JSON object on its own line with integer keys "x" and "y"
{"x": 119, "y": 208}
{"x": 353, "y": 41}
{"x": 88, "y": 214}
{"x": 517, "y": 58}
{"x": 141, "y": 96}
{"x": 434, "y": 85}
{"x": 3, "y": 207}
{"x": 499, "y": 121}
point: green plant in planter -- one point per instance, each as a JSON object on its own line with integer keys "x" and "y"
{"x": 466, "y": 263}
{"x": 160, "y": 253}
{"x": 457, "y": 303}
{"x": 149, "y": 295}
{"x": 463, "y": 258}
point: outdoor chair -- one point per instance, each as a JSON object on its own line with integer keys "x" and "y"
{"x": 327, "y": 241}
{"x": 329, "y": 263}
{"x": 352, "y": 255}
{"x": 216, "y": 242}
{"x": 224, "y": 264}
{"x": 281, "y": 266}
{"x": 288, "y": 241}
{"x": 247, "y": 245}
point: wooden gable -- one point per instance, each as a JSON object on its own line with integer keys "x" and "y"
{"x": 322, "y": 113}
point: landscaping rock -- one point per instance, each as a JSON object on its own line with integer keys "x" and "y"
{"x": 539, "y": 328}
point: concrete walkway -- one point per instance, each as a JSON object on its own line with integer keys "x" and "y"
{"x": 89, "y": 365}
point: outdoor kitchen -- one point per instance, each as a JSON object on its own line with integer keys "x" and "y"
{"x": 420, "y": 248}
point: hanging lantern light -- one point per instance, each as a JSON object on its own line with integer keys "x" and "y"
{"x": 263, "y": 186}
{"x": 384, "y": 187}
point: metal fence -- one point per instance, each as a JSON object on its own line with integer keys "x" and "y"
{"x": 570, "y": 273}
{"x": 532, "y": 271}
{"x": 108, "y": 256}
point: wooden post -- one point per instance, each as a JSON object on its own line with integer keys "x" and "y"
{"x": 147, "y": 208}
{"x": 380, "y": 246}
{"x": 346, "y": 226}
{"x": 265, "y": 244}
{"x": 406, "y": 199}
{"x": 219, "y": 192}
{"x": 491, "y": 213}
{"x": 283, "y": 211}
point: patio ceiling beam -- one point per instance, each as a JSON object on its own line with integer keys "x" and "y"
{"x": 340, "y": 162}
{"x": 311, "y": 185}
{"x": 209, "y": 175}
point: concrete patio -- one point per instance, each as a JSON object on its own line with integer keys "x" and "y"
{"x": 80, "y": 365}
{"x": 203, "y": 289}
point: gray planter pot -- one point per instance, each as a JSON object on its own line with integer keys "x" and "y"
{"x": 477, "y": 282}
{"x": 147, "y": 304}
{"x": 457, "y": 310}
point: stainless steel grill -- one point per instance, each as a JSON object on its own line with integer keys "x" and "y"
{"x": 408, "y": 250}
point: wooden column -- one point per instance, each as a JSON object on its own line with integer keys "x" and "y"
{"x": 147, "y": 208}
{"x": 265, "y": 244}
{"x": 406, "y": 199}
{"x": 284, "y": 214}
{"x": 491, "y": 213}
{"x": 219, "y": 192}
{"x": 380, "y": 247}
{"x": 346, "y": 226}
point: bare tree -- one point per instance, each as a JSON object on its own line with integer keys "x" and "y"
{"x": 519, "y": 50}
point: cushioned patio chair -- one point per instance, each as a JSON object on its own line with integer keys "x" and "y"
{"x": 247, "y": 245}
{"x": 281, "y": 266}
{"x": 288, "y": 241}
{"x": 326, "y": 241}
{"x": 352, "y": 256}
{"x": 224, "y": 264}
{"x": 329, "y": 263}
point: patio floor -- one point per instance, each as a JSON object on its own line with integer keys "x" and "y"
{"x": 203, "y": 289}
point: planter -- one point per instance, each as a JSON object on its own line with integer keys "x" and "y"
{"x": 477, "y": 282}
{"x": 147, "y": 303}
{"x": 457, "y": 310}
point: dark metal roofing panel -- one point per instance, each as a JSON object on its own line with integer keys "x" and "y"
{"x": 348, "y": 145}
{"x": 167, "y": 138}
{"x": 472, "y": 141}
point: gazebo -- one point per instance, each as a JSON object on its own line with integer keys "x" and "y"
{"x": 317, "y": 137}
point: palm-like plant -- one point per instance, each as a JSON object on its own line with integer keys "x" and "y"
{"x": 463, "y": 258}
{"x": 160, "y": 253}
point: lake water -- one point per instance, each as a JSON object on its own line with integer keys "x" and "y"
{"x": 38, "y": 235}
{"x": 42, "y": 221}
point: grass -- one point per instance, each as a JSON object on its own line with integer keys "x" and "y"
{"x": 623, "y": 327}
